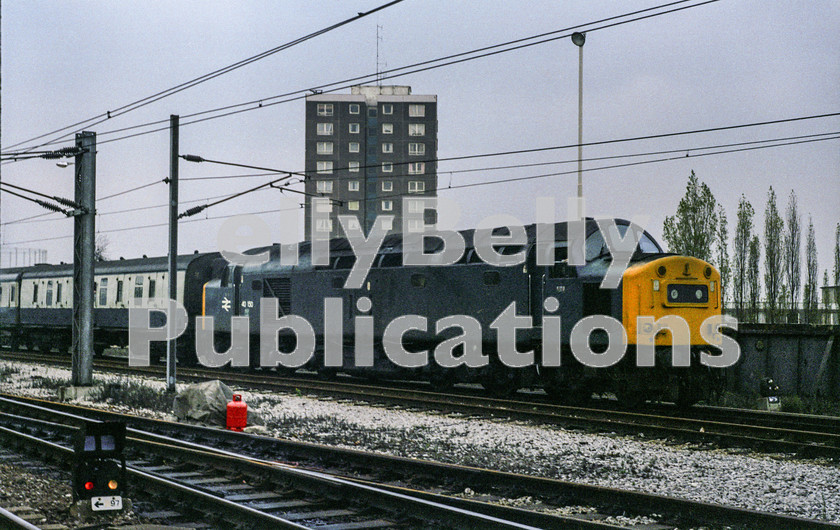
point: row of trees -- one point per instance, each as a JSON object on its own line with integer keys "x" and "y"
{"x": 700, "y": 228}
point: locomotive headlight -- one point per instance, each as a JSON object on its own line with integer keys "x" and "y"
{"x": 707, "y": 272}
{"x": 661, "y": 270}
{"x": 699, "y": 294}
{"x": 656, "y": 285}
{"x": 712, "y": 286}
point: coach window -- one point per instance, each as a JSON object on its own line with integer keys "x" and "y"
{"x": 119, "y": 291}
{"x": 49, "y": 293}
{"x": 35, "y": 293}
{"x": 103, "y": 292}
{"x": 58, "y": 286}
{"x": 138, "y": 287}
{"x": 13, "y": 296}
{"x": 151, "y": 288}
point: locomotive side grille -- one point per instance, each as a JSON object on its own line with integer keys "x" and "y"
{"x": 281, "y": 289}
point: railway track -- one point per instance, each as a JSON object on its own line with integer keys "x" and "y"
{"x": 226, "y": 488}
{"x": 800, "y": 434}
{"x": 205, "y": 456}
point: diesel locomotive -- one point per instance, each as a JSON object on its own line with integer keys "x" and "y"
{"x": 542, "y": 303}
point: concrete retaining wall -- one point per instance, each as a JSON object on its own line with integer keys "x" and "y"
{"x": 801, "y": 359}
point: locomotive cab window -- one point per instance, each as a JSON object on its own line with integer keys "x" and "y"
{"x": 229, "y": 277}
{"x": 597, "y": 247}
{"x": 393, "y": 259}
{"x": 345, "y": 262}
{"x": 647, "y": 245}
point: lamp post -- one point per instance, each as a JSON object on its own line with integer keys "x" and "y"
{"x": 578, "y": 39}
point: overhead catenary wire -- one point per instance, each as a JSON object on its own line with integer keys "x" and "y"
{"x": 100, "y": 118}
{"x": 484, "y": 183}
{"x": 413, "y": 68}
{"x": 38, "y": 218}
{"x": 510, "y": 166}
{"x": 74, "y": 205}
{"x": 60, "y": 200}
{"x": 198, "y": 209}
{"x": 159, "y": 225}
{"x": 47, "y": 205}
{"x": 683, "y": 150}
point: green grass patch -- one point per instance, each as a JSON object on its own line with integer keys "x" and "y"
{"x": 736, "y": 401}
{"x": 132, "y": 394}
{"x": 51, "y": 383}
{"x": 790, "y": 403}
{"x": 810, "y": 405}
{"x": 6, "y": 370}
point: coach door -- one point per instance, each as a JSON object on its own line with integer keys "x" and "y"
{"x": 562, "y": 292}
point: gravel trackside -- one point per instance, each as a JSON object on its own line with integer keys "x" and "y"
{"x": 772, "y": 483}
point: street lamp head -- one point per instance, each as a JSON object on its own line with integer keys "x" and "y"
{"x": 578, "y": 38}
{"x": 64, "y": 163}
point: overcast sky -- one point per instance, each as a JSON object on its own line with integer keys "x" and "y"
{"x": 726, "y": 63}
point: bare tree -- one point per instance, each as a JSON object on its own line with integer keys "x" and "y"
{"x": 740, "y": 258}
{"x": 100, "y": 251}
{"x": 837, "y": 255}
{"x": 773, "y": 258}
{"x": 811, "y": 301}
{"x": 722, "y": 254}
{"x": 754, "y": 278}
{"x": 692, "y": 230}
{"x": 792, "y": 252}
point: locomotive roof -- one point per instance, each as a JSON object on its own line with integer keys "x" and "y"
{"x": 393, "y": 244}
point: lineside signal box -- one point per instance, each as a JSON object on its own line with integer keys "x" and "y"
{"x": 99, "y": 474}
